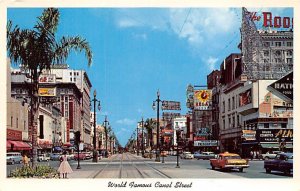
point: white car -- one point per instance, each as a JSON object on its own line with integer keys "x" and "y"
{"x": 187, "y": 155}
{"x": 43, "y": 157}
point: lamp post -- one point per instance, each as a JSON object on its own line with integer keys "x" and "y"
{"x": 142, "y": 137}
{"x": 137, "y": 141}
{"x": 95, "y": 153}
{"x": 177, "y": 139}
{"x": 105, "y": 124}
{"x": 157, "y": 127}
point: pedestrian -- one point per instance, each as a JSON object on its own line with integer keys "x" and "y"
{"x": 251, "y": 154}
{"x": 254, "y": 154}
{"x": 25, "y": 160}
{"x": 64, "y": 167}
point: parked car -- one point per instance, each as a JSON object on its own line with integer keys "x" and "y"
{"x": 269, "y": 155}
{"x": 55, "y": 156}
{"x": 205, "y": 155}
{"x": 43, "y": 157}
{"x": 13, "y": 157}
{"x": 82, "y": 156}
{"x": 187, "y": 155}
{"x": 283, "y": 162}
{"x": 228, "y": 160}
{"x": 70, "y": 156}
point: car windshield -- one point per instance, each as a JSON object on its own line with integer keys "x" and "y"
{"x": 232, "y": 157}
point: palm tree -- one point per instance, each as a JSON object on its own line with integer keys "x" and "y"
{"x": 36, "y": 50}
{"x": 150, "y": 125}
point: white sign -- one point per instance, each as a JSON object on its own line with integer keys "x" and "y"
{"x": 206, "y": 143}
{"x": 81, "y": 146}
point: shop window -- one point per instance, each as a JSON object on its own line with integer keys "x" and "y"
{"x": 283, "y": 125}
{"x": 266, "y": 125}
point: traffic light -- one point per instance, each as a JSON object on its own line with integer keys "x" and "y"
{"x": 77, "y": 137}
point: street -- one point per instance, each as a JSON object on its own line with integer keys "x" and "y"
{"x": 129, "y": 165}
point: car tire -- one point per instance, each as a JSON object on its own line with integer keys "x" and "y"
{"x": 212, "y": 167}
{"x": 268, "y": 170}
{"x": 241, "y": 169}
{"x": 267, "y": 158}
{"x": 13, "y": 162}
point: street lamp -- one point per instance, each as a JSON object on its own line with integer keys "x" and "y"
{"x": 177, "y": 140}
{"x": 137, "y": 141}
{"x": 105, "y": 124}
{"x": 95, "y": 153}
{"x": 142, "y": 137}
{"x": 157, "y": 127}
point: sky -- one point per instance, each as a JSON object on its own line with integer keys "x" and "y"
{"x": 137, "y": 51}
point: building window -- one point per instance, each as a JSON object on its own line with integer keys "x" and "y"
{"x": 74, "y": 79}
{"x": 17, "y": 123}
{"x": 289, "y": 53}
{"x": 267, "y": 44}
{"x": 266, "y": 53}
{"x": 229, "y": 121}
{"x": 233, "y": 121}
{"x": 233, "y": 103}
{"x": 229, "y": 104}
{"x": 277, "y": 53}
{"x": 11, "y": 121}
{"x": 289, "y": 43}
{"x": 70, "y": 73}
{"x": 278, "y": 44}
{"x": 289, "y": 60}
{"x": 266, "y": 125}
{"x": 224, "y": 124}
{"x": 24, "y": 125}
{"x": 71, "y": 79}
{"x": 238, "y": 120}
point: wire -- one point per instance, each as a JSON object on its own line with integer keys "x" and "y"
{"x": 187, "y": 16}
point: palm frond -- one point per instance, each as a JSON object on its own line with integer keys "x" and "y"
{"x": 67, "y": 44}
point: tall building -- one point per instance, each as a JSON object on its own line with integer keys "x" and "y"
{"x": 77, "y": 112}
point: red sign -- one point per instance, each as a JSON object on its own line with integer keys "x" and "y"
{"x": 270, "y": 21}
{"x": 14, "y": 135}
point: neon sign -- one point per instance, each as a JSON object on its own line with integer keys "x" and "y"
{"x": 270, "y": 21}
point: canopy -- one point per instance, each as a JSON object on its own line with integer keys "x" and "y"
{"x": 17, "y": 145}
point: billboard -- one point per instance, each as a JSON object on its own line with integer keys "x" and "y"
{"x": 47, "y": 92}
{"x": 245, "y": 98}
{"x": 249, "y": 135}
{"x": 47, "y": 78}
{"x": 202, "y": 99}
{"x": 274, "y": 135}
{"x": 170, "y": 105}
{"x": 206, "y": 143}
{"x": 284, "y": 86}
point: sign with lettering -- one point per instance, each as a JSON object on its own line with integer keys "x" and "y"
{"x": 274, "y": 135}
{"x": 45, "y": 92}
{"x": 13, "y": 135}
{"x": 206, "y": 143}
{"x": 47, "y": 78}
{"x": 284, "y": 86}
{"x": 170, "y": 105}
{"x": 202, "y": 99}
{"x": 269, "y": 20}
{"x": 249, "y": 135}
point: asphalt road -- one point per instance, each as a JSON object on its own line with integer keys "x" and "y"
{"x": 129, "y": 165}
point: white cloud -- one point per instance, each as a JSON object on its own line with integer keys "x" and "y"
{"x": 126, "y": 121}
{"x": 211, "y": 63}
{"x": 125, "y": 23}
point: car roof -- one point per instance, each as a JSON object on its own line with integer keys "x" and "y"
{"x": 228, "y": 154}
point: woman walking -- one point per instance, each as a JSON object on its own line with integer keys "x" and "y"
{"x": 64, "y": 167}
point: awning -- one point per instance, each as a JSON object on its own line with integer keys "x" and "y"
{"x": 17, "y": 145}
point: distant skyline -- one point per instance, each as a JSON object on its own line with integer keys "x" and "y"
{"x": 140, "y": 50}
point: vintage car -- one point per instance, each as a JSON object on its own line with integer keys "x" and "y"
{"x": 228, "y": 160}
{"x": 187, "y": 155}
{"x": 43, "y": 157}
{"x": 13, "y": 157}
{"x": 269, "y": 155}
{"x": 55, "y": 156}
{"x": 283, "y": 162}
{"x": 204, "y": 155}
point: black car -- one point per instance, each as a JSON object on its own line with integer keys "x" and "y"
{"x": 283, "y": 162}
